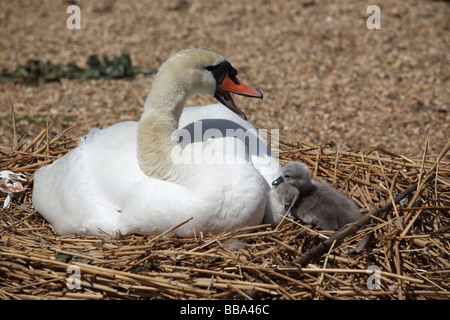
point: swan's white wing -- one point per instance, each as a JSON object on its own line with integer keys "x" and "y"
{"x": 98, "y": 188}
{"x": 79, "y": 193}
{"x": 243, "y": 140}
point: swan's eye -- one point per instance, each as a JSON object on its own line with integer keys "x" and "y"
{"x": 232, "y": 72}
{"x": 219, "y": 71}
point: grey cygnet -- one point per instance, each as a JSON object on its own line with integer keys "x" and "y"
{"x": 317, "y": 203}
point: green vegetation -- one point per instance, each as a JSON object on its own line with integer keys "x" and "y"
{"x": 35, "y": 71}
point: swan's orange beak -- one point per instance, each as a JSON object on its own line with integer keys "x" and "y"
{"x": 235, "y": 86}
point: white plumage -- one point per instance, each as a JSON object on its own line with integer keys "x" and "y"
{"x": 134, "y": 177}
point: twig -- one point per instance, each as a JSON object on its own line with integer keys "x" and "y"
{"x": 47, "y": 150}
{"x": 325, "y": 266}
{"x": 362, "y": 244}
{"x": 13, "y": 114}
{"x": 147, "y": 255}
{"x": 435, "y": 165}
{"x": 387, "y": 184}
{"x": 287, "y": 213}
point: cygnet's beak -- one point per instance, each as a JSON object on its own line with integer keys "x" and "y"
{"x": 235, "y": 86}
{"x": 277, "y": 181}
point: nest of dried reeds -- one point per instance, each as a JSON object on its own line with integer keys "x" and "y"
{"x": 400, "y": 251}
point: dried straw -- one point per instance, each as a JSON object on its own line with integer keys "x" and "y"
{"x": 408, "y": 243}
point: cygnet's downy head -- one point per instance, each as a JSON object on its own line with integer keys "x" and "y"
{"x": 296, "y": 174}
{"x": 287, "y": 194}
{"x": 201, "y": 71}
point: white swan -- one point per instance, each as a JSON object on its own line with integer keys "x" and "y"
{"x": 146, "y": 177}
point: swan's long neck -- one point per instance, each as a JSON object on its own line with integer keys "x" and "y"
{"x": 156, "y": 136}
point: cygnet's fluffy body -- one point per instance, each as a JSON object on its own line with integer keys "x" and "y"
{"x": 317, "y": 203}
